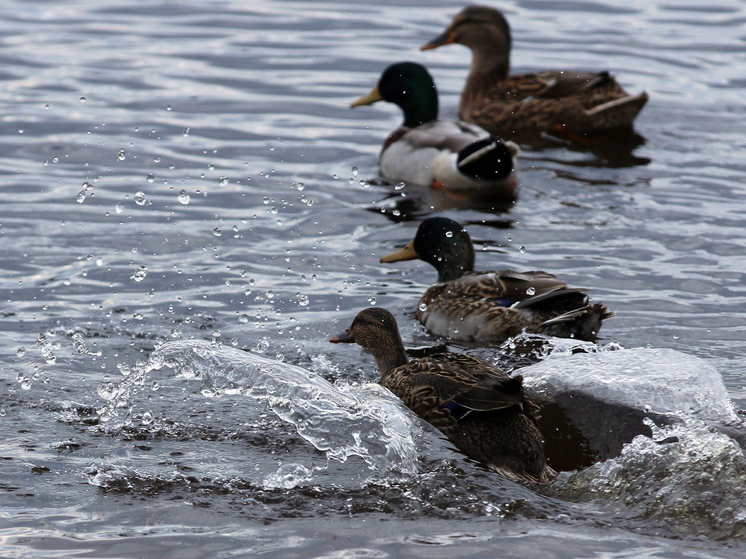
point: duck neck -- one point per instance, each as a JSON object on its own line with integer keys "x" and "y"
{"x": 420, "y": 107}
{"x": 490, "y": 67}
{"x": 453, "y": 260}
{"x": 490, "y": 62}
{"x": 391, "y": 355}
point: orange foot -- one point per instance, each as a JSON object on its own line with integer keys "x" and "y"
{"x": 452, "y": 195}
{"x": 562, "y": 131}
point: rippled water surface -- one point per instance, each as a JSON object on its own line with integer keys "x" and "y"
{"x": 192, "y": 171}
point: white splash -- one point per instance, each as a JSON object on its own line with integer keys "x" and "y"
{"x": 341, "y": 421}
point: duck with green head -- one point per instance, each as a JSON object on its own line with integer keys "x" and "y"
{"x": 443, "y": 153}
{"x": 492, "y": 306}
{"x": 554, "y": 100}
{"x": 480, "y": 408}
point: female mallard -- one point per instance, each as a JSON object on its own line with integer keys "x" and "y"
{"x": 492, "y": 306}
{"x": 551, "y": 100}
{"x": 443, "y": 153}
{"x": 477, "y": 406}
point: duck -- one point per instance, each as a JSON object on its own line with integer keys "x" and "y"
{"x": 481, "y": 409}
{"x": 570, "y": 102}
{"x": 443, "y": 153}
{"x": 492, "y": 306}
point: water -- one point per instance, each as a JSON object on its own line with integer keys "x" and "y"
{"x": 179, "y": 171}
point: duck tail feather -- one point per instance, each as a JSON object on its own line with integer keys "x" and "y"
{"x": 486, "y": 159}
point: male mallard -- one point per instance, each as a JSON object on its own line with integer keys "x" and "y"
{"x": 481, "y": 409}
{"x": 443, "y": 153}
{"x": 551, "y": 100}
{"x": 492, "y": 306}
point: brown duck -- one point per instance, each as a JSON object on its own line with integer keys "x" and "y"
{"x": 495, "y": 305}
{"x": 564, "y": 101}
{"x": 481, "y": 409}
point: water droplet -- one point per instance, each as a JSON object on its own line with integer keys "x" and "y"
{"x": 46, "y": 347}
{"x": 147, "y": 418}
{"x": 140, "y": 198}
{"x": 265, "y": 200}
{"x": 150, "y": 178}
{"x": 140, "y": 274}
{"x": 302, "y": 299}
{"x": 183, "y": 197}
{"x": 449, "y": 234}
{"x": 372, "y": 300}
{"x": 423, "y": 307}
{"x": 223, "y": 181}
{"x": 21, "y": 351}
{"x": 217, "y": 232}
{"x": 522, "y": 249}
{"x": 531, "y": 291}
{"x": 156, "y": 160}
{"x": 186, "y": 132}
{"x": 121, "y": 156}
{"x": 262, "y": 346}
{"x": 80, "y": 198}
{"x": 119, "y": 208}
{"x": 79, "y": 343}
{"x": 300, "y": 186}
{"x": 354, "y": 172}
{"x": 400, "y": 186}
{"x": 82, "y": 99}
{"x": 168, "y": 107}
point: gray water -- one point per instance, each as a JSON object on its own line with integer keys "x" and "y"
{"x": 191, "y": 171}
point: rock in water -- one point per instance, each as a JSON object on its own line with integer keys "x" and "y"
{"x": 605, "y": 396}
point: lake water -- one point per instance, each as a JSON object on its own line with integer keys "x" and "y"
{"x": 192, "y": 171}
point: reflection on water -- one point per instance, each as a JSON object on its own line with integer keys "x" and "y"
{"x": 189, "y": 171}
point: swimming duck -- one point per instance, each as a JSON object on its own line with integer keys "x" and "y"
{"x": 481, "y": 409}
{"x": 443, "y": 153}
{"x": 565, "y": 101}
{"x": 492, "y": 306}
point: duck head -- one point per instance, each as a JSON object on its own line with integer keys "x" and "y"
{"x": 376, "y": 331}
{"x": 409, "y": 86}
{"x": 444, "y": 244}
{"x": 485, "y": 31}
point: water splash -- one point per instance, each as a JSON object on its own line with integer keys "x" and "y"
{"x": 339, "y": 420}
{"x": 686, "y": 475}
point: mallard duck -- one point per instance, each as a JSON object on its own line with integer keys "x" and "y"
{"x": 565, "y": 101}
{"x": 481, "y": 409}
{"x": 492, "y": 306}
{"x": 443, "y": 153}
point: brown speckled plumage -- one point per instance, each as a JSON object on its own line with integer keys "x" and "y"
{"x": 556, "y": 100}
{"x": 494, "y": 305}
{"x": 480, "y": 408}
